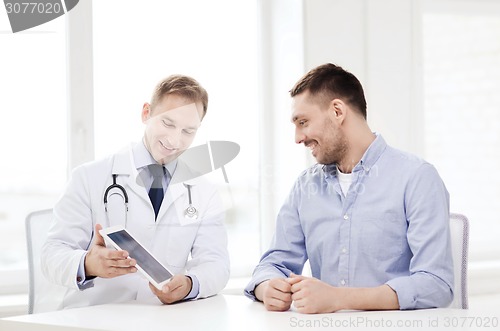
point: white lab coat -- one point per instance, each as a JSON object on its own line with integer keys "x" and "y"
{"x": 196, "y": 247}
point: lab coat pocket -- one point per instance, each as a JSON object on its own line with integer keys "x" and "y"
{"x": 174, "y": 245}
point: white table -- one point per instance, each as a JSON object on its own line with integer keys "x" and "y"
{"x": 236, "y": 312}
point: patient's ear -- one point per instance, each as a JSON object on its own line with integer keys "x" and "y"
{"x": 338, "y": 110}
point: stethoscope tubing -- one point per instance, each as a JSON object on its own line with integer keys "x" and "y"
{"x": 117, "y": 186}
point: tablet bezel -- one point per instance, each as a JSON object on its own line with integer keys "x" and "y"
{"x": 105, "y": 234}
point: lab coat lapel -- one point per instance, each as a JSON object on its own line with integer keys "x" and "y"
{"x": 176, "y": 190}
{"x": 173, "y": 192}
{"x": 124, "y": 165}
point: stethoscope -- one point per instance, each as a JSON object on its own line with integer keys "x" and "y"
{"x": 191, "y": 212}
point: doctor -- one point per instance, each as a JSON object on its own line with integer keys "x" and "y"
{"x": 193, "y": 248}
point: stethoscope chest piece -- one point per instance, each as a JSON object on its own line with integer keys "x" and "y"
{"x": 190, "y": 211}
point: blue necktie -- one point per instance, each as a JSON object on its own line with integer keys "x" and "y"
{"x": 156, "y": 191}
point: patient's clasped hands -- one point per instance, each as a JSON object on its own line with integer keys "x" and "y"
{"x": 309, "y": 295}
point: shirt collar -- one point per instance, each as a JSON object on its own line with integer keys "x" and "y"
{"x": 143, "y": 158}
{"x": 368, "y": 159}
{"x": 373, "y": 152}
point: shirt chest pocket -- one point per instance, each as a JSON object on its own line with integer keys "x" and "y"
{"x": 383, "y": 237}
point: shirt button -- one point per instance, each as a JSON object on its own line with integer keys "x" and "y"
{"x": 344, "y": 250}
{"x": 346, "y": 217}
{"x": 342, "y": 282}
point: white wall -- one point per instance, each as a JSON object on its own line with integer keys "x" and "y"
{"x": 80, "y": 85}
{"x": 282, "y": 64}
{"x": 376, "y": 41}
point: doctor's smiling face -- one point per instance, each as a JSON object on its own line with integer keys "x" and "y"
{"x": 171, "y": 125}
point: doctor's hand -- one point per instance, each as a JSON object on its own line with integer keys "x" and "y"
{"x": 275, "y": 293}
{"x": 175, "y": 290}
{"x": 106, "y": 263}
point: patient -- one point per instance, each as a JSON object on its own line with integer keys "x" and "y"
{"x": 373, "y": 221}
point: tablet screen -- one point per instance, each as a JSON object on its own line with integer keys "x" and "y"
{"x": 145, "y": 260}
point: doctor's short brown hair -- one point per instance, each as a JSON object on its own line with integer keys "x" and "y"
{"x": 183, "y": 86}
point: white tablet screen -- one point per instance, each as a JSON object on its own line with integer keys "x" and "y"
{"x": 147, "y": 262}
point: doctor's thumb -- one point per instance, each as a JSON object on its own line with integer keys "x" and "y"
{"x": 98, "y": 239}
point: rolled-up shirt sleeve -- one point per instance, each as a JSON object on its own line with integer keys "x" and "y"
{"x": 430, "y": 283}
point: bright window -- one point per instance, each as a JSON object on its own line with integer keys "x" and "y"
{"x": 33, "y": 131}
{"x": 462, "y": 113}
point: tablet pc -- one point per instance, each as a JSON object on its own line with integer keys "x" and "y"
{"x": 147, "y": 264}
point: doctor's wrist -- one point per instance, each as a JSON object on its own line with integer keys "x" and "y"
{"x": 194, "y": 289}
{"x": 189, "y": 285}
